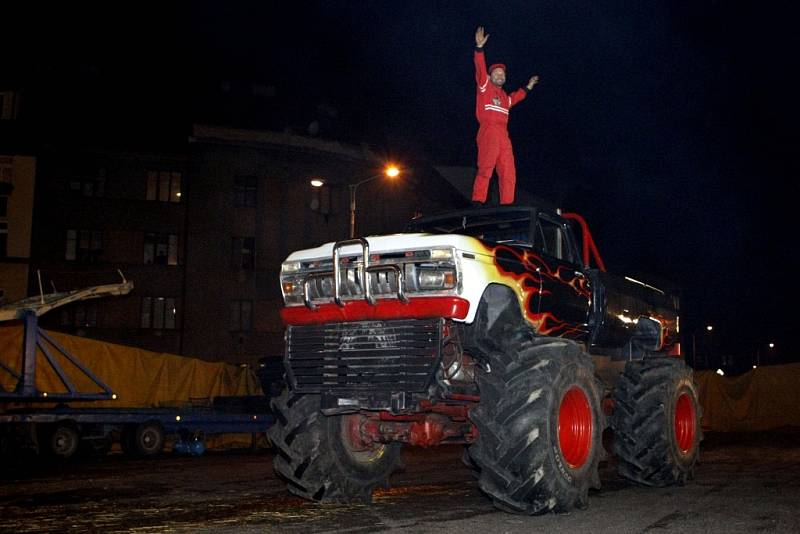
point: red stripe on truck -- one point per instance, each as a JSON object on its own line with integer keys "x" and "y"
{"x": 361, "y": 310}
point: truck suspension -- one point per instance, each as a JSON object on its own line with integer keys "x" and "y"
{"x": 439, "y": 423}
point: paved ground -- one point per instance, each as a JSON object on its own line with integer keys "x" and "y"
{"x": 745, "y": 483}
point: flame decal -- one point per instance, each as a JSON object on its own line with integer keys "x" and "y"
{"x": 529, "y": 273}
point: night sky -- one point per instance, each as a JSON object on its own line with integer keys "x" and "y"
{"x": 669, "y": 125}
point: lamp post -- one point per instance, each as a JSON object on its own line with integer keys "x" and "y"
{"x": 390, "y": 171}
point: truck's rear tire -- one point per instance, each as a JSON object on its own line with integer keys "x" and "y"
{"x": 318, "y": 459}
{"x": 656, "y": 422}
{"x": 61, "y": 440}
{"x": 539, "y": 427}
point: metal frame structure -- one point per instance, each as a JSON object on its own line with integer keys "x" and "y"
{"x": 35, "y": 339}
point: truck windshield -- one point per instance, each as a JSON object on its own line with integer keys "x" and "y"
{"x": 494, "y": 227}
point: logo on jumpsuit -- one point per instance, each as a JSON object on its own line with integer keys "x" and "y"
{"x": 496, "y": 101}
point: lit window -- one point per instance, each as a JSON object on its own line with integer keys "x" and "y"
{"x": 160, "y": 249}
{"x": 159, "y": 313}
{"x": 84, "y": 246}
{"x": 164, "y": 186}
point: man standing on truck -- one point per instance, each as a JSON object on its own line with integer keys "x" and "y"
{"x": 491, "y": 107}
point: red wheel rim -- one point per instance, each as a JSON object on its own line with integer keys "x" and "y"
{"x": 575, "y": 427}
{"x": 684, "y": 423}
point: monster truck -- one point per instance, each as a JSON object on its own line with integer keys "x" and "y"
{"x": 485, "y": 327}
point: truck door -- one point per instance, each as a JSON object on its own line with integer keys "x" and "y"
{"x": 566, "y": 293}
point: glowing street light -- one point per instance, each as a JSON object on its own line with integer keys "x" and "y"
{"x": 772, "y": 345}
{"x": 316, "y": 182}
{"x": 391, "y": 171}
{"x": 709, "y": 328}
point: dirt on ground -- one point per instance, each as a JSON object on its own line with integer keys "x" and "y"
{"x": 744, "y": 483}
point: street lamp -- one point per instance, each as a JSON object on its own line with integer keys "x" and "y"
{"x": 390, "y": 171}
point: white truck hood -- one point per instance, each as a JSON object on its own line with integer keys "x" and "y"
{"x": 395, "y": 243}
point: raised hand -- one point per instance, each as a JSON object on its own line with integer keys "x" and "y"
{"x": 480, "y": 37}
{"x": 533, "y": 81}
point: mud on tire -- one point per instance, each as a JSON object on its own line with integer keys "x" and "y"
{"x": 316, "y": 457}
{"x": 540, "y": 427}
{"x": 656, "y": 422}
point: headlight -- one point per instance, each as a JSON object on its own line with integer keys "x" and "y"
{"x": 432, "y": 279}
{"x": 441, "y": 253}
{"x": 292, "y": 276}
{"x": 290, "y": 267}
{"x": 291, "y": 282}
{"x": 292, "y": 289}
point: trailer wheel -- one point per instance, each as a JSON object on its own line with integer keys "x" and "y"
{"x": 656, "y": 422}
{"x": 318, "y": 456}
{"x": 62, "y": 440}
{"x": 539, "y": 427}
{"x": 148, "y": 439}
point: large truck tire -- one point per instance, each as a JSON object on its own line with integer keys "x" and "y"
{"x": 318, "y": 457}
{"x": 539, "y": 427}
{"x": 656, "y": 422}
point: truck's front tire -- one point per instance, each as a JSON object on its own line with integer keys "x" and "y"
{"x": 539, "y": 427}
{"x": 317, "y": 457}
{"x": 656, "y": 422}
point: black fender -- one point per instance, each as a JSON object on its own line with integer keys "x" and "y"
{"x": 644, "y": 341}
{"x": 497, "y": 320}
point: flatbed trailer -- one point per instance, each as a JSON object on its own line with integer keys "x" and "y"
{"x": 62, "y": 431}
{"x": 44, "y": 422}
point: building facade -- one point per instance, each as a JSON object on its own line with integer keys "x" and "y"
{"x": 104, "y": 214}
{"x": 17, "y": 181}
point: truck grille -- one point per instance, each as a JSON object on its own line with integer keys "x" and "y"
{"x": 399, "y": 355}
{"x": 381, "y": 283}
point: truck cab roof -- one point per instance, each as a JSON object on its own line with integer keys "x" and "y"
{"x": 526, "y": 226}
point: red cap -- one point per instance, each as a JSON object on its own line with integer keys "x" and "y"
{"x": 497, "y": 66}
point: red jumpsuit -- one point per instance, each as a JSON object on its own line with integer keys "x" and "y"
{"x": 494, "y": 146}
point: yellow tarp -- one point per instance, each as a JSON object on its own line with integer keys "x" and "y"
{"x": 762, "y": 399}
{"x": 765, "y": 398}
{"x": 139, "y": 378}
